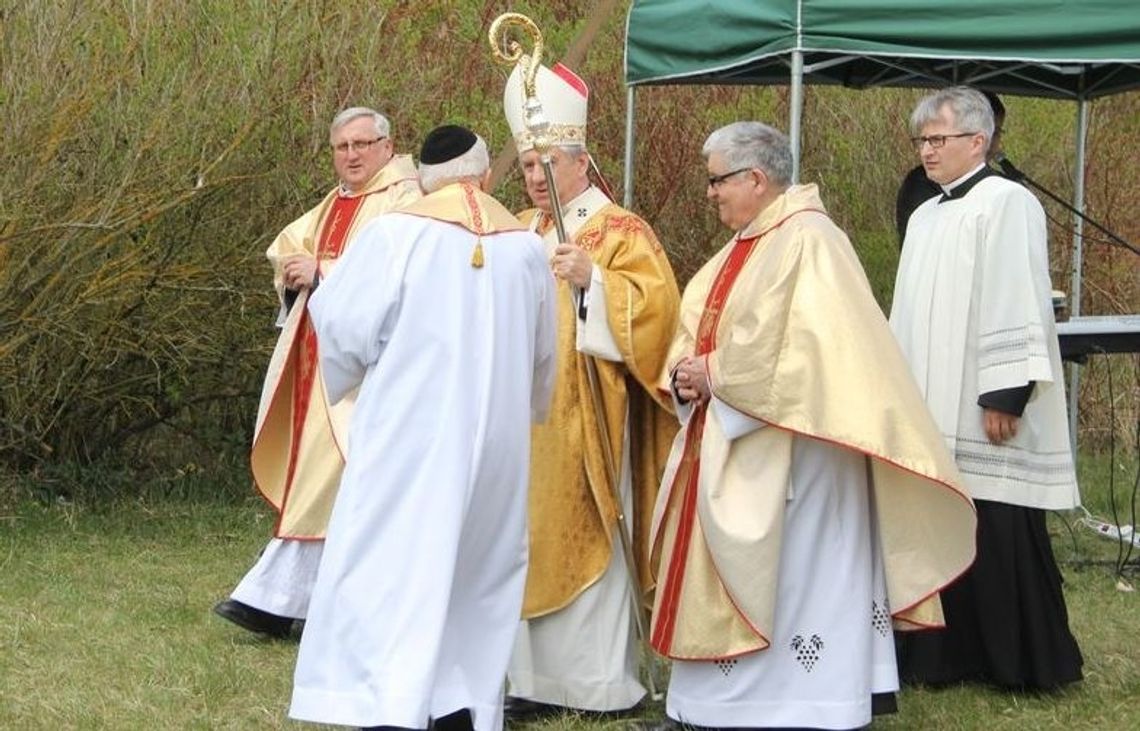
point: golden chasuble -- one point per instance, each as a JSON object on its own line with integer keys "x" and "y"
{"x": 296, "y": 455}
{"x": 798, "y": 342}
{"x": 466, "y": 205}
{"x": 571, "y": 509}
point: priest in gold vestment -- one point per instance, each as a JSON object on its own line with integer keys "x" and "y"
{"x": 617, "y": 304}
{"x": 298, "y": 444}
{"x": 809, "y": 502}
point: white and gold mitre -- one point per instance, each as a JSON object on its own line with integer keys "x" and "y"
{"x": 563, "y": 95}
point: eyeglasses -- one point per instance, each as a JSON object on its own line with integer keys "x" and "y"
{"x": 937, "y": 141}
{"x": 355, "y": 145}
{"x": 716, "y": 180}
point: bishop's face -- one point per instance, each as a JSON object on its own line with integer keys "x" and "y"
{"x": 570, "y": 177}
{"x": 961, "y": 151}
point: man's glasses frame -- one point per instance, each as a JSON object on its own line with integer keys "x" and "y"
{"x": 937, "y": 141}
{"x": 716, "y": 180}
{"x": 355, "y": 145}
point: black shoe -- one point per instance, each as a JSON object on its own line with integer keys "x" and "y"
{"x": 884, "y": 704}
{"x": 253, "y": 619}
{"x": 668, "y": 724}
{"x": 522, "y": 709}
{"x": 459, "y": 721}
{"x": 620, "y": 714}
{"x": 654, "y": 724}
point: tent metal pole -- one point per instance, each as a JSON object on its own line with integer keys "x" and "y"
{"x": 1078, "y": 253}
{"x": 627, "y": 181}
{"x": 796, "y": 104}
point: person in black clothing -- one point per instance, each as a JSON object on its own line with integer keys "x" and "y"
{"x": 972, "y": 315}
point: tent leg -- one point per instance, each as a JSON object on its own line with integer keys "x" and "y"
{"x": 1078, "y": 253}
{"x": 627, "y": 182}
{"x": 796, "y": 104}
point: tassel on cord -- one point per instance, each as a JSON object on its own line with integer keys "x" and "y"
{"x": 477, "y": 255}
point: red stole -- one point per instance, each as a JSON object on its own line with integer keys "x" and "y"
{"x": 689, "y": 468}
{"x": 303, "y": 357}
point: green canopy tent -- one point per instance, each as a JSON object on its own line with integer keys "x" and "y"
{"x": 1068, "y": 49}
{"x": 1064, "y": 49}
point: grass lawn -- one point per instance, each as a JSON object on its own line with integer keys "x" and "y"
{"x": 105, "y": 623}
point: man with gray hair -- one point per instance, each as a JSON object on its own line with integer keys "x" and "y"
{"x": 443, "y": 316}
{"x": 617, "y": 309}
{"x": 298, "y": 441}
{"x": 973, "y": 313}
{"x": 916, "y": 188}
{"x": 808, "y": 500}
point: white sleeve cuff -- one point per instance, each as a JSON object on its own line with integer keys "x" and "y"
{"x": 683, "y": 409}
{"x": 593, "y": 334}
{"x": 733, "y": 423}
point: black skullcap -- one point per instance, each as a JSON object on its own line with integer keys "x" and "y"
{"x": 446, "y": 143}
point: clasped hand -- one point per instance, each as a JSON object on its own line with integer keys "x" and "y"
{"x": 692, "y": 380}
{"x": 299, "y": 272}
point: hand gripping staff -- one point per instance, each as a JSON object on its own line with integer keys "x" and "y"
{"x": 508, "y": 51}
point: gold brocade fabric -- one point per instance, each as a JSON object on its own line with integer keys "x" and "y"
{"x": 572, "y": 511}
{"x": 305, "y": 501}
{"x": 801, "y": 345}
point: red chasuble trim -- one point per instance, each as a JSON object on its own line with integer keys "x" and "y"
{"x": 689, "y": 471}
{"x": 661, "y": 638}
{"x": 473, "y": 209}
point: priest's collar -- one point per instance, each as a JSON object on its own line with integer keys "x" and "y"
{"x": 583, "y": 205}
{"x": 960, "y": 187}
{"x": 566, "y": 205}
{"x": 343, "y": 190}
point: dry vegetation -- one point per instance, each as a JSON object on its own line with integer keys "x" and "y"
{"x": 152, "y": 148}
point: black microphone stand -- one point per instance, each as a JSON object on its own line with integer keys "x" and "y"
{"x": 1009, "y": 171}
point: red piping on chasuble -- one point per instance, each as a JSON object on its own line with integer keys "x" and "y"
{"x": 334, "y": 235}
{"x": 689, "y": 471}
{"x": 664, "y": 627}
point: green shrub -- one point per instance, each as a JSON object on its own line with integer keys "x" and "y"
{"x": 152, "y": 150}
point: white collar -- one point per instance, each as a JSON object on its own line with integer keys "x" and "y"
{"x": 954, "y": 184}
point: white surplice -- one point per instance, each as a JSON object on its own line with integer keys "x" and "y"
{"x": 420, "y": 587}
{"x": 584, "y": 656}
{"x": 281, "y": 582}
{"x": 832, "y": 645}
{"x": 973, "y": 314}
